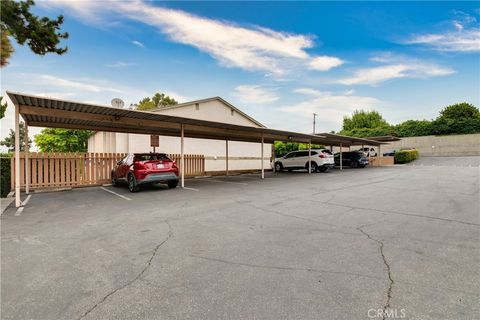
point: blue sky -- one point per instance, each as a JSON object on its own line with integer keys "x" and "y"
{"x": 277, "y": 61}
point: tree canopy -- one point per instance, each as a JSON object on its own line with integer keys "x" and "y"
{"x": 40, "y": 33}
{"x": 3, "y": 107}
{"x": 62, "y": 140}
{"x": 460, "y": 118}
{"x": 9, "y": 141}
{"x": 157, "y": 101}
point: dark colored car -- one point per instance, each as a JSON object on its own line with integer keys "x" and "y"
{"x": 390, "y": 153}
{"x": 354, "y": 159}
{"x": 145, "y": 168}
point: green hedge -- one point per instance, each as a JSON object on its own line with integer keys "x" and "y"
{"x": 5, "y": 174}
{"x": 404, "y": 156}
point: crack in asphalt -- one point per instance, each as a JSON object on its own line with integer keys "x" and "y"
{"x": 286, "y": 214}
{"x": 251, "y": 265}
{"x": 387, "y": 265}
{"x": 145, "y": 268}
{"x": 397, "y": 212}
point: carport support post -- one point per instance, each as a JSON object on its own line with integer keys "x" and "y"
{"x": 273, "y": 156}
{"x": 226, "y": 157}
{"x": 341, "y": 158}
{"x": 27, "y": 164}
{"x": 310, "y": 156}
{"x": 17, "y": 157}
{"x": 182, "y": 155}
{"x": 263, "y": 170}
{"x": 379, "y": 156}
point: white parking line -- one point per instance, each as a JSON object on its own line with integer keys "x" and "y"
{"x": 19, "y": 211}
{"x": 117, "y": 194}
{"x": 24, "y": 203}
{"x": 193, "y": 189}
{"x": 223, "y": 181}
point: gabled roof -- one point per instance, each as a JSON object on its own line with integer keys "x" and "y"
{"x": 189, "y": 103}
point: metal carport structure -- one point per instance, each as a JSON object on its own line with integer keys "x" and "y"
{"x": 57, "y": 113}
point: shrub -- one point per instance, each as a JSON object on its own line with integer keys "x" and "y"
{"x": 5, "y": 174}
{"x": 404, "y": 156}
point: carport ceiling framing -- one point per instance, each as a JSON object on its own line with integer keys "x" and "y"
{"x": 48, "y": 112}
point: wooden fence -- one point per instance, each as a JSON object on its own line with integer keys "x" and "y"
{"x": 57, "y": 170}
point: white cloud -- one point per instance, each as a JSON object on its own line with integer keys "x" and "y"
{"x": 255, "y": 94}
{"x": 120, "y": 64}
{"x": 325, "y": 63}
{"x": 250, "y": 48}
{"x": 138, "y": 43}
{"x": 462, "y": 39}
{"x": 394, "y": 68}
{"x": 47, "y": 80}
{"x": 330, "y": 107}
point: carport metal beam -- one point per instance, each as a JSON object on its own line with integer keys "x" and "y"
{"x": 226, "y": 157}
{"x": 263, "y": 171}
{"x": 182, "y": 155}
{"x": 27, "y": 155}
{"x": 17, "y": 158}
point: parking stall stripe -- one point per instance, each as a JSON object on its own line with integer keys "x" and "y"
{"x": 193, "y": 189}
{"x": 117, "y": 194}
{"x": 24, "y": 203}
{"x": 223, "y": 181}
{"x": 19, "y": 211}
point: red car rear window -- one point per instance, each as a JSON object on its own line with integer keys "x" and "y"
{"x": 152, "y": 156}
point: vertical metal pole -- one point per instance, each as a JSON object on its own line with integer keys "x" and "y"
{"x": 331, "y": 148}
{"x": 263, "y": 171}
{"x": 341, "y": 158}
{"x": 226, "y": 157}
{"x": 310, "y": 156}
{"x": 17, "y": 157}
{"x": 273, "y": 156}
{"x": 182, "y": 155}
{"x": 379, "y": 156}
{"x": 27, "y": 163}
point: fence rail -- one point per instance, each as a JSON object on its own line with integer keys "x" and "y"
{"x": 56, "y": 170}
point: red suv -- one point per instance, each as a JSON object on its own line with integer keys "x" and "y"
{"x": 145, "y": 168}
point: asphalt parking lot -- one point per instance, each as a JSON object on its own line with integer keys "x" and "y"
{"x": 293, "y": 246}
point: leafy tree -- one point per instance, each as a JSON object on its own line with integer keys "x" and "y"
{"x": 3, "y": 108}
{"x": 158, "y": 100}
{"x": 40, "y": 34}
{"x": 414, "y": 128}
{"x": 364, "y": 119}
{"x": 9, "y": 141}
{"x": 282, "y": 148}
{"x": 62, "y": 140}
{"x": 365, "y": 124}
{"x": 459, "y": 111}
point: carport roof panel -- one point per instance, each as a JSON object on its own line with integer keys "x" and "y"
{"x": 51, "y": 112}
{"x": 349, "y": 141}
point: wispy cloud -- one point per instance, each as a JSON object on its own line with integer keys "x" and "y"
{"x": 138, "y": 43}
{"x": 51, "y": 81}
{"x": 120, "y": 64}
{"x": 463, "y": 36}
{"x": 255, "y": 94}
{"x": 331, "y": 107}
{"x": 252, "y": 48}
{"x": 394, "y": 68}
{"x": 325, "y": 63}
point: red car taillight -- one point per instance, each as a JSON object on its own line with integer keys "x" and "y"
{"x": 174, "y": 164}
{"x": 139, "y": 166}
{"x": 321, "y": 155}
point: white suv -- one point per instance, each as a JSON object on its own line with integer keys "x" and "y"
{"x": 321, "y": 159}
